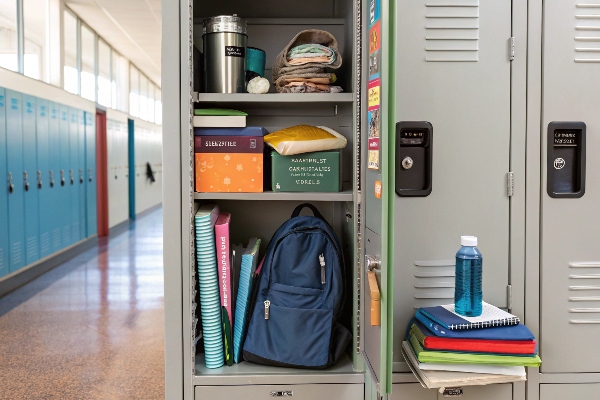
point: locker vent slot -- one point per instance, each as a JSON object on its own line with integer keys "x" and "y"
{"x": 587, "y": 36}
{"x": 1, "y": 258}
{"x": 17, "y": 257}
{"x": 583, "y": 287}
{"x": 56, "y": 238}
{"x": 31, "y": 247}
{"x": 434, "y": 282}
{"x": 452, "y": 31}
{"x": 45, "y": 242}
{"x": 67, "y": 234}
{"x": 76, "y": 231}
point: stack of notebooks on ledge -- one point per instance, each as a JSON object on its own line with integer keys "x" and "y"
{"x": 226, "y": 275}
{"x": 445, "y": 349}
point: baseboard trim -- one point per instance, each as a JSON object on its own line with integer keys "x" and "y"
{"x": 18, "y": 278}
{"x": 119, "y": 228}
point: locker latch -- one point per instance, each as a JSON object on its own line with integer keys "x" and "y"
{"x": 26, "y": 180}
{"x": 51, "y": 178}
{"x": 62, "y": 177}
{"x": 375, "y": 296}
{"x": 11, "y": 187}
{"x": 39, "y": 179}
{"x": 71, "y": 177}
{"x": 89, "y": 174}
{"x": 80, "y": 175}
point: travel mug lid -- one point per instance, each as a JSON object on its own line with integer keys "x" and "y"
{"x": 224, "y": 23}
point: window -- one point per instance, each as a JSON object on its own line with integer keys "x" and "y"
{"x": 88, "y": 63}
{"x": 134, "y": 91}
{"x": 8, "y": 35}
{"x": 71, "y": 75}
{"x": 150, "y": 103}
{"x": 120, "y": 82}
{"x": 104, "y": 75}
{"x": 158, "y": 107}
{"x": 35, "y": 13}
{"x": 143, "y": 97}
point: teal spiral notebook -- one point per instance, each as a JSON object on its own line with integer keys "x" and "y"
{"x": 247, "y": 269}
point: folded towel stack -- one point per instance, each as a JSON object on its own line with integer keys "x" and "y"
{"x": 303, "y": 65}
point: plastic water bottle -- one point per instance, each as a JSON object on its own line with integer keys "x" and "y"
{"x": 467, "y": 290}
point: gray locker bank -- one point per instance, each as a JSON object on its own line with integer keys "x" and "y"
{"x": 495, "y": 86}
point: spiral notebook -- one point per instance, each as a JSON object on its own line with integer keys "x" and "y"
{"x": 490, "y": 316}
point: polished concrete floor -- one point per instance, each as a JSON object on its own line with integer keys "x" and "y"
{"x": 91, "y": 328}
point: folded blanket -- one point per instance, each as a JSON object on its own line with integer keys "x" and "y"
{"x": 308, "y": 37}
{"x": 323, "y": 77}
{"x": 307, "y": 60}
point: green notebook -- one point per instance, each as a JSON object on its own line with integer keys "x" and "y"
{"x": 219, "y": 112}
{"x": 442, "y": 357}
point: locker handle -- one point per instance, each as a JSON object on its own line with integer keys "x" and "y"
{"x": 11, "y": 187}
{"x": 62, "y": 177}
{"x": 25, "y": 179}
{"x": 71, "y": 178}
{"x": 89, "y": 174}
{"x": 27, "y": 186}
{"x": 62, "y": 181}
{"x": 81, "y": 179}
{"x": 375, "y": 296}
{"x": 39, "y": 176}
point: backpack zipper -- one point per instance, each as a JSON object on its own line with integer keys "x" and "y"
{"x": 322, "y": 261}
{"x": 267, "y": 309}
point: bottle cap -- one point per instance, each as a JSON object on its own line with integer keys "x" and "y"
{"x": 468, "y": 240}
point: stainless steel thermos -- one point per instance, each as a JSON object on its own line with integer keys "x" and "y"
{"x": 224, "y": 40}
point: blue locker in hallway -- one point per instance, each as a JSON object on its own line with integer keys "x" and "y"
{"x": 65, "y": 196}
{"x": 16, "y": 191}
{"x": 80, "y": 183}
{"x": 90, "y": 164}
{"x": 54, "y": 206}
{"x": 73, "y": 174}
{"x": 4, "y": 268}
{"x": 31, "y": 195}
{"x": 42, "y": 176}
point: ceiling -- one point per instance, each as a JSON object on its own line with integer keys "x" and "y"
{"x": 132, "y": 27}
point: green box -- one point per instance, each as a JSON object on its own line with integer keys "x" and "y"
{"x": 308, "y": 172}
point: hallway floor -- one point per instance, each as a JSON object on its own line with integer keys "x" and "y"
{"x": 91, "y": 328}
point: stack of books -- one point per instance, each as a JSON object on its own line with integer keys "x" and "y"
{"x": 226, "y": 276}
{"x": 446, "y": 349}
{"x": 228, "y": 154}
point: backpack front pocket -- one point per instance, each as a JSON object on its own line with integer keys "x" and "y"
{"x": 295, "y": 297}
{"x": 292, "y": 336}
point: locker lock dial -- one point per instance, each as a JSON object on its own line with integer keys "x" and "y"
{"x": 11, "y": 187}
{"x": 566, "y": 159}
{"x": 414, "y": 144}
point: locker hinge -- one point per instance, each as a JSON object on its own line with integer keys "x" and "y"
{"x": 509, "y": 297}
{"x": 510, "y": 184}
{"x": 511, "y": 48}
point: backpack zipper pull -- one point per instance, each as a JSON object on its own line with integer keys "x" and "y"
{"x": 322, "y": 261}
{"x": 267, "y": 306}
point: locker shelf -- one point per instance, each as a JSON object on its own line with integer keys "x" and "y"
{"x": 271, "y": 98}
{"x": 247, "y": 373}
{"x": 278, "y": 196}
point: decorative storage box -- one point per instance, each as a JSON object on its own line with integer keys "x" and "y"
{"x": 229, "y": 163}
{"x": 308, "y": 172}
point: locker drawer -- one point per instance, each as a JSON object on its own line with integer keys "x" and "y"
{"x": 570, "y": 391}
{"x": 414, "y": 391}
{"x": 297, "y": 392}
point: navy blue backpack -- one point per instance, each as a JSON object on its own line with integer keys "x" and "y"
{"x": 300, "y": 295}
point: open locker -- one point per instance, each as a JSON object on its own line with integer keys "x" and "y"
{"x": 444, "y": 64}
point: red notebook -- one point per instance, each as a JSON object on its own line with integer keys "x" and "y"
{"x": 474, "y": 345}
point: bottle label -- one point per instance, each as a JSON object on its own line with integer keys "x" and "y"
{"x": 235, "y": 51}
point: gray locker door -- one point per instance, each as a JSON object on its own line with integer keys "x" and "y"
{"x": 570, "y": 254}
{"x": 453, "y": 70}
